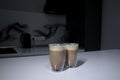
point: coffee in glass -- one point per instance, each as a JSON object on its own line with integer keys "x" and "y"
{"x": 57, "y": 56}
{"x": 71, "y": 54}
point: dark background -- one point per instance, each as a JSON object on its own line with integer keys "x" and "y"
{"x": 110, "y": 17}
{"x": 83, "y": 20}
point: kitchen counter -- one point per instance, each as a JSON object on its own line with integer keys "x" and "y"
{"x": 26, "y": 52}
{"x": 92, "y": 65}
{"x": 34, "y": 51}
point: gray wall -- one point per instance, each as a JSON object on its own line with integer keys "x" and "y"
{"x": 111, "y": 24}
{"x": 34, "y": 21}
{"x": 28, "y": 12}
{"x": 23, "y": 5}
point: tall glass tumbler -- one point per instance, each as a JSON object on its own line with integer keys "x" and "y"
{"x": 71, "y": 54}
{"x": 57, "y": 56}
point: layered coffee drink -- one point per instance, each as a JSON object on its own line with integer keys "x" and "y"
{"x": 71, "y": 56}
{"x": 57, "y": 56}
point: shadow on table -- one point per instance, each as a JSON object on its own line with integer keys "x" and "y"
{"x": 80, "y": 62}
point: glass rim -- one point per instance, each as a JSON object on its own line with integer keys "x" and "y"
{"x": 54, "y": 44}
{"x": 74, "y": 44}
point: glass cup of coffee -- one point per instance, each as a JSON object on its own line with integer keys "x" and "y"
{"x": 71, "y": 54}
{"x": 57, "y": 56}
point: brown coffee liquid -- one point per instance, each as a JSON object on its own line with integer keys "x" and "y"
{"x": 57, "y": 59}
{"x": 71, "y": 58}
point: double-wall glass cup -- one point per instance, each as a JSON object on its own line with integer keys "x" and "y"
{"x": 71, "y": 54}
{"x": 57, "y": 56}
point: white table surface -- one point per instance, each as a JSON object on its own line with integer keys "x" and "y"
{"x": 96, "y": 65}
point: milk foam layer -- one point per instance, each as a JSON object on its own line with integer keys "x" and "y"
{"x": 71, "y": 46}
{"x": 56, "y": 47}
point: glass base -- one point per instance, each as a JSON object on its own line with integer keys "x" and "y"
{"x": 69, "y": 66}
{"x": 57, "y": 70}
